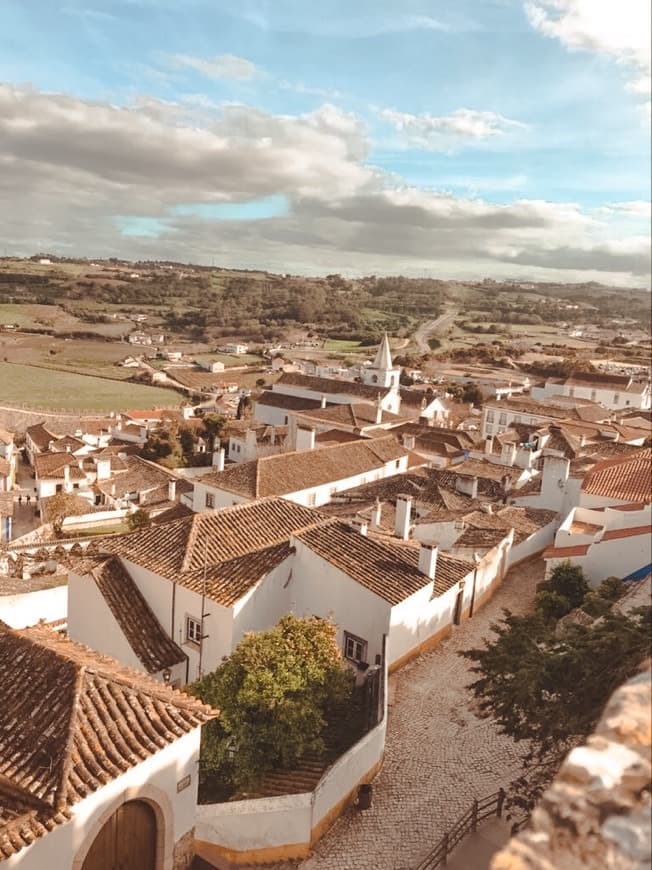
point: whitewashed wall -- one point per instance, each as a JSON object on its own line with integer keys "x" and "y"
{"x": 154, "y": 779}
{"x": 263, "y": 605}
{"x": 532, "y": 545}
{"x": 325, "y": 591}
{"x": 418, "y": 618}
{"x": 28, "y": 608}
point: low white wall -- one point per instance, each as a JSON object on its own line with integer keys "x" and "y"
{"x": 98, "y": 518}
{"x": 293, "y": 820}
{"x": 264, "y": 823}
{"x": 532, "y": 545}
{"x": 20, "y": 611}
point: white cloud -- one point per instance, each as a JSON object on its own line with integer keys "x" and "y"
{"x": 225, "y": 66}
{"x": 70, "y": 167}
{"x": 441, "y": 133}
{"x": 617, "y": 28}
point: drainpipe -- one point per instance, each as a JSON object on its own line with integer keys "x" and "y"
{"x": 475, "y": 576}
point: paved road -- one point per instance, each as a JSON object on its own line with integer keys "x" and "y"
{"x": 432, "y": 328}
{"x": 439, "y": 755}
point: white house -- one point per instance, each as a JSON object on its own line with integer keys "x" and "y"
{"x": 617, "y": 392}
{"x": 605, "y": 542}
{"x": 8, "y": 460}
{"x": 306, "y": 476}
{"x": 98, "y": 761}
{"x": 337, "y": 392}
{"x": 235, "y": 348}
{"x": 501, "y": 414}
{"x": 204, "y": 581}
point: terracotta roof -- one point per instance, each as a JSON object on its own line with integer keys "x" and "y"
{"x": 389, "y": 570}
{"x": 628, "y": 479}
{"x": 212, "y": 537}
{"x": 147, "y": 638}
{"x": 566, "y": 552}
{"x": 41, "y": 436}
{"x": 68, "y": 444}
{"x": 75, "y": 505}
{"x": 289, "y": 403}
{"x": 601, "y": 379}
{"x": 291, "y": 472}
{"x": 329, "y": 385}
{"x": 357, "y": 415}
{"x": 614, "y": 534}
{"x": 141, "y": 476}
{"x": 559, "y": 407}
{"x": 52, "y": 465}
{"x": 72, "y": 721}
{"x": 227, "y": 582}
{"x": 154, "y": 414}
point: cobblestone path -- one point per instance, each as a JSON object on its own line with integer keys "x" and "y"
{"x": 439, "y": 756}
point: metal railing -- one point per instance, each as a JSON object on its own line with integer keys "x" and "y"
{"x": 481, "y": 809}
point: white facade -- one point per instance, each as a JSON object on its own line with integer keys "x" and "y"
{"x": 207, "y": 496}
{"x": 29, "y": 608}
{"x": 615, "y": 397}
{"x": 155, "y": 781}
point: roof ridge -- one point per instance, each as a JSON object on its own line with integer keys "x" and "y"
{"x": 61, "y": 793}
{"x": 195, "y": 522}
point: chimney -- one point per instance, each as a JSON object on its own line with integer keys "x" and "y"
{"x": 467, "y": 485}
{"x": 582, "y": 440}
{"x": 379, "y": 411}
{"x": 360, "y": 525}
{"x": 305, "y": 439}
{"x": 408, "y": 442}
{"x": 218, "y": 459}
{"x": 322, "y": 401}
{"x": 376, "y": 515}
{"x": 66, "y": 474}
{"x": 403, "y": 514}
{"x": 172, "y": 490}
{"x": 428, "y": 560}
{"x": 113, "y": 489}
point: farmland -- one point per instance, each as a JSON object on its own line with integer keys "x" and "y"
{"x": 65, "y": 391}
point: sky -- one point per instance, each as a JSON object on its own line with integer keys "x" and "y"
{"x": 465, "y": 139}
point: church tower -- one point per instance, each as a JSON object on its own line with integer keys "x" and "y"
{"x": 382, "y": 373}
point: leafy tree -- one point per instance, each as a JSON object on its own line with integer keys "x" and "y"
{"x": 550, "y": 691}
{"x": 62, "y": 505}
{"x": 213, "y": 426}
{"x": 599, "y": 602}
{"x": 274, "y": 694}
{"x": 139, "y": 519}
{"x": 564, "y": 590}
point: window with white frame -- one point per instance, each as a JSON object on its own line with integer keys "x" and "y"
{"x": 210, "y": 500}
{"x": 355, "y": 648}
{"x": 193, "y": 629}
{"x": 502, "y": 419}
{"x": 490, "y": 416}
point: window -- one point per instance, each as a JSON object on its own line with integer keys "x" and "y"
{"x": 210, "y": 500}
{"x": 517, "y": 418}
{"x": 502, "y": 419}
{"x": 593, "y": 395}
{"x": 355, "y": 649}
{"x": 571, "y": 392}
{"x": 490, "y": 416}
{"x": 193, "y": 629}
{"x": 489, "y": 429}
{"x": 312, "y": 499}
{"x": 616, "y": 398}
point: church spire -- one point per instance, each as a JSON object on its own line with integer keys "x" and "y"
{"x": 383, "y": 360}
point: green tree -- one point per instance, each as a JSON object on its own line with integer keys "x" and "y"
{"x": 274, "y": 694}
{"x": 564, "y": 590}
{"x": 213, "y": 426}
{"x": 139, "y": 519}
{"x": 550, "y": 691}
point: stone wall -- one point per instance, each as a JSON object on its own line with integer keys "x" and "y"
{"x": 184, "y": 851}
{"x": 596, "y": 815}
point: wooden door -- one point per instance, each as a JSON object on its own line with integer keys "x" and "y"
{"x": 127, "y": 841}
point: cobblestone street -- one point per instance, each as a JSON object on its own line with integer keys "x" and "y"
{"x": 439, "y": 755}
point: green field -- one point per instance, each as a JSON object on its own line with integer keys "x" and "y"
{"x": 64, "y": 391}
{"x": 345, "y": 346}
{"x": 229, "y": 360}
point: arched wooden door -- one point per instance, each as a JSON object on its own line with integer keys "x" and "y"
{"x": 127, "y": 841}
